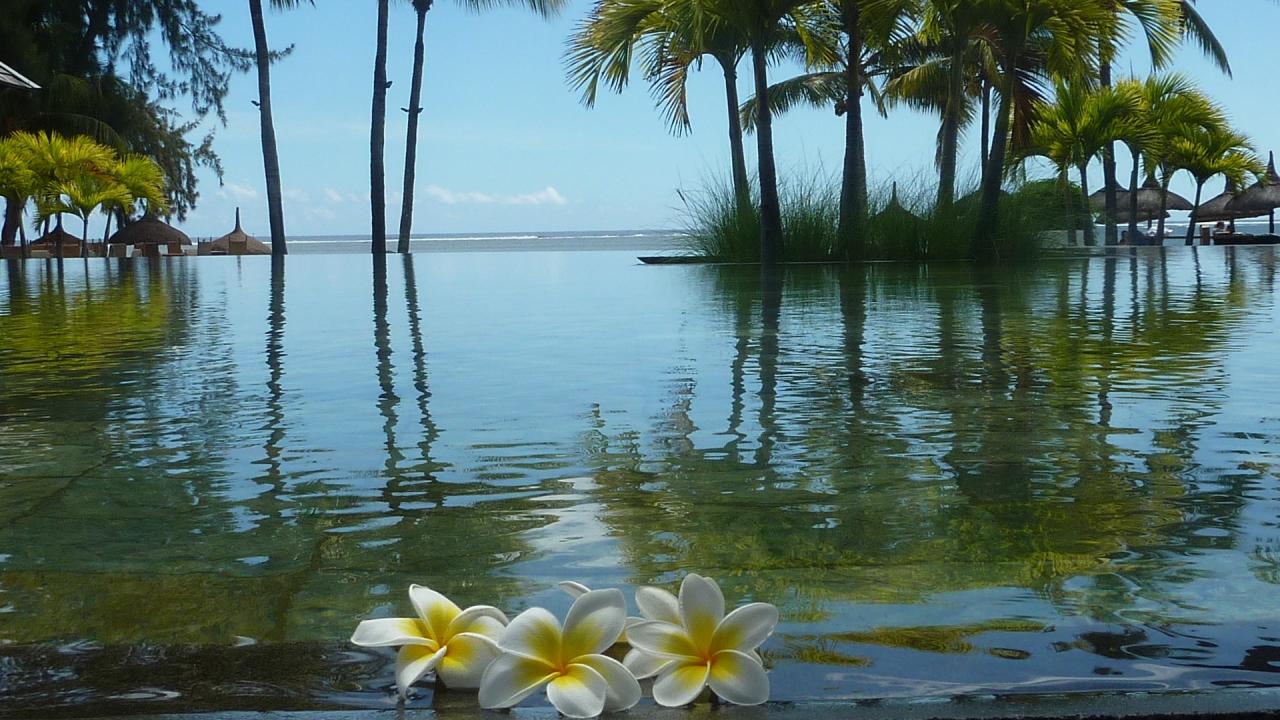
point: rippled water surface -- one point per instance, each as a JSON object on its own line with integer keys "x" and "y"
{"x": 1060, "y": 477}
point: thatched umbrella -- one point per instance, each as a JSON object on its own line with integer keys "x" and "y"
{"x": 1215, "y": 209}
{"x": 1261, "y": 199}
{"x": 57, "y": 240}
{"x": 1098, "y": 200}
{"x": 236, "y": 242}
{"x": 1150, "y": 200}
{"x": 895, "y": 210}
{"x": 9, "y": 76}
{"x": 150, "y": 230}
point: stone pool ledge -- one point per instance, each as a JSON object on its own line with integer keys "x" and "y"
{"x": 1225, "y": 704}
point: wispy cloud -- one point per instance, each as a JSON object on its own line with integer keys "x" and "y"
{"x": 547, "y": 196}
{"x": 301, "y": 196}
{"x": 237, "y": 192}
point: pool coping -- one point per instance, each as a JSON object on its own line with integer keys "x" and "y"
{"x": 1251, "y": 704}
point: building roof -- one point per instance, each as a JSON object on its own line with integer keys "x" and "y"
{"x": 9, "y": 76}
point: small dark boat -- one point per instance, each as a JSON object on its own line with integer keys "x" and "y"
{"x": 674, "y": 260}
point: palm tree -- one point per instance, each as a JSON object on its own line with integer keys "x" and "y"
{"x": 1207, "y": 152}
{"x": 951, "y": 26}
{"x": 59, "y": 165}
{"x": 1030, "y": 39}
{"x": 145, "y": 182}
{"x": 378, "y": 138}
{"x": 17, "y": 182}
{"x": 1160, "y": 21}
{"x": 546, "y": 8}
{"x": 606, "y": 43}
{"x": 82, "y": 196}
{"x": 270, "y": 154}
{"x": 1172, "y": 107}
{"x": 763, "y": 24}
{"x": 1074, "y": 129}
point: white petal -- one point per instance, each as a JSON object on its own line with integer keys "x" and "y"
{"x": 512, "y": 678}
{"x": 414, "y": 661}
{"x": 738, "y": 678}
{"x": 436, "y": 610}
{"x": 468, "y": 657}
{"x": 658, "y": 604}
{"x": 573, "y": 589}
{"x": 661, "y": 640}
{"x": 680, "y": 684}
{"x": 594, "y": 623}
{"x": 391, "y": 632}
{"x": 473, "y": 620}
{"x": 745, "y": 628}
{"x": 701, "y": 608}
{"x": 643, "y": 665}
{"x": 623, "y": 691}
{"x": 579, "y": 693}
{"x": 534, "y": 633}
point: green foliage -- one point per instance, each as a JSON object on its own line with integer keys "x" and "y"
{"x": 76, "y": 175}
{"x": 905, "y": 223}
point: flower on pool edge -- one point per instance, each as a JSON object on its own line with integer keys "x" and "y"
{"x": 537, "y": 652}
{"x": 705, "y": 647}
{"x": 458, "y": 644}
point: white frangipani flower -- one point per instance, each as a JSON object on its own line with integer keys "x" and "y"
{"x": 457, "y": 644}
{"x": 702, "y": 646}
{"x": 537, "y": 652}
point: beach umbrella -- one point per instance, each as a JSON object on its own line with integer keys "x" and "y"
{"x": 1215, "y": 209}
{"x": 895, "y": 210}
{"x": 236, "y": 242}
{"x": 9, "y": 76}
{"x": 1149, "y": 199}
{"x": 1261, "y": 199}
{"x": 1098, "y": 200}
{"x": 150, "y": 230}
{"x": 58, "y": 237}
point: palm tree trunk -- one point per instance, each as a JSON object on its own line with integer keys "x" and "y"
{"x": 1195, "y": 210}
{"x": 1133, "y": 199}
{"x": 411, "y": 143}
{"x": 1112, "y": 201}
{"x": 1089, "y": 232}
{"x": 1164, "y": 207}
{"x": 770, "y": 206}
{"x": 57, "y": 246}
{"x": 1066, "y": 208}
{"x": 984, "y": 240}
{"x": 738, "y": 154}
{"x": 951, "y": 130}
{"x": 84, "y": 238}
{"x": 986, "y": 121}
{"x": 12, "y": 221}
{"x": 378, "y": 137}
{"x": 270, "y": 155}
{"x": 853, "y": 189}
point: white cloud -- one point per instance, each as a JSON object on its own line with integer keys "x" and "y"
{"x": 234, "y": 191}
{"x": 296, "y": 195}
{"x": 333, "y": 195}
{"x": 547, "y": 196}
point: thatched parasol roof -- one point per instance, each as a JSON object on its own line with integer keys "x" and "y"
{"x": 895, "y": 209}
{"x": 237, "y": 242}
{"x": 1122, "y": 217}
{"x": 57, "y": 235}
{"x": 150, "y": 230}
{"x": 1149, "y": 199}
{"x": 9, "y": 76}
{"x": 1215, "y": 209}
{"x": 1262, "y": 198}
{"x": 1098, "y": 200}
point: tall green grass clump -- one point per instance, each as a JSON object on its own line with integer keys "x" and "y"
{"x": 904, "y": 222}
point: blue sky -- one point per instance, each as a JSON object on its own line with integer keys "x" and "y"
{"x": 506, "y": 146}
